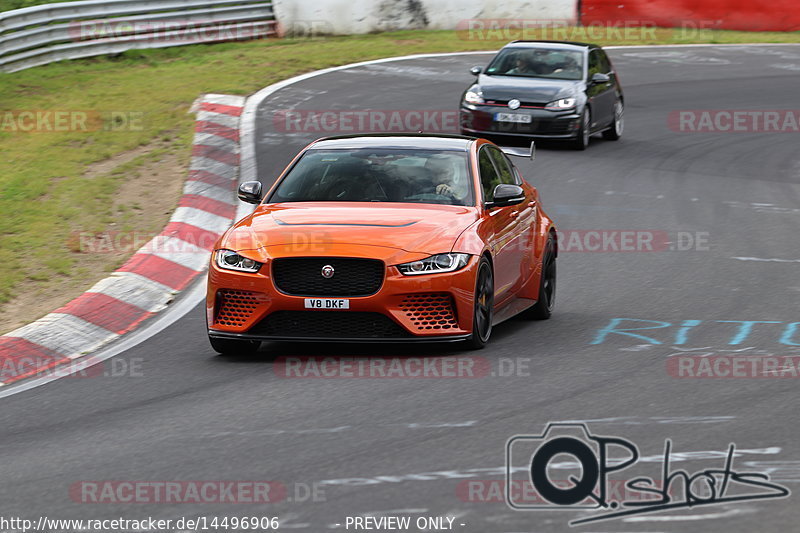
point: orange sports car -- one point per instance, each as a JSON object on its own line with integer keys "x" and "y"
{"x": 401, "y": 237}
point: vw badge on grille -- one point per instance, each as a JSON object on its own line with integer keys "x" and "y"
{"x": 327, "y": 272}
{"x": 514, "y": 104}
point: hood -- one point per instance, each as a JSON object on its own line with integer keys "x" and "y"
{"x": 527, "y": 89}
{"x": 308, "y": 226}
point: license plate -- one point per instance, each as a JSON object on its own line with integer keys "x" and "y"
{"x": 327, "y": 303}
{"x": 512, "y": 117}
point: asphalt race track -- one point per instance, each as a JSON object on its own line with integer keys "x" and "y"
{"x": 407, "y": 446}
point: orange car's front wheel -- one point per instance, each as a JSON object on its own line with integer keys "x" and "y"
{"x": 483, "y": 306}
{"x": 547, "y": 285}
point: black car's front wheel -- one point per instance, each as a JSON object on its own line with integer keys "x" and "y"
{"x": 615, "y": 131}
{"x": 233, "y": 346}
{"x": 547, "y": 285}
{"x": 483, "y": 306}
{"x": 581, "y": 141}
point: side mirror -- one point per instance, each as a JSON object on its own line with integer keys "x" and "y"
{"x": 476, "y": 71}
{"x": 250, "y": 192}
{"x": 599, "y": 78}
{"x": 505, "y": 195}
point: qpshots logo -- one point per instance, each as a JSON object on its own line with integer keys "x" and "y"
{"x": 569, "y": 451}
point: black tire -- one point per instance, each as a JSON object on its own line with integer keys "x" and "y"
{"x": 543, "y": 308}
{"x": 615, "y": 131}
{"x": 234, "y": 346}
{"x": 581, "y": 141}
{"x": 483, "y": 306}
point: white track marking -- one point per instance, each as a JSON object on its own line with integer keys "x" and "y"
{"x": 201, "y": 219}
{"x": 179, "y": 251}
{"x": 472, "y": 473}
{"x": 229, "y": 121}
{"x": 689, "y": 517}
{"x": 190, "y": 298}
{"x": 213, "y": 166}
{"x": 223, "y": 143}
{"x": 219, "y": 194}
{"x": 65, "y": 334}
{"x": 225, "y": 99}
{"x": 764, "y": 260}
{"x": 144, "y": 293}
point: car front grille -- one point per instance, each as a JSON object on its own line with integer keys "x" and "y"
{"x": 302, "y": 276}
{"x": 538, "y": 126}
{"x": 523, "y": 103}
{"x": 329, "y": 325}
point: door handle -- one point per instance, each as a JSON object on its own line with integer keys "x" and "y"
{"x": 532, "y": 204}
{"x": 514, "y": 214}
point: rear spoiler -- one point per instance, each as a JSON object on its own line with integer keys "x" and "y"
{"x": 520, "y": 152}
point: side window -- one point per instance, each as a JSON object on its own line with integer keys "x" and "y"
{"x": 605, "y": 63}
{"x": 489, "y": 177}
{"x": 503, "y": 165}
{"x": 518, "y": 175}
{"x": 594, "y": 63}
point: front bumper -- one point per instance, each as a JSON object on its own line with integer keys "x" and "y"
{"x": 436, "y": 307}
{"x": 280, "y": 338}
{"x": 480, "y": 120}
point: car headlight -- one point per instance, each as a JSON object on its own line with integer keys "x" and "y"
{"x": 230, "y": 260}
{"x": 435, "y": 264}
{"x": 564, "y": 103}
{"x": 474, "y": 96}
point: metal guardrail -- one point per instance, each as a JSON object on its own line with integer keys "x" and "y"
{"x": 54, "y": 32}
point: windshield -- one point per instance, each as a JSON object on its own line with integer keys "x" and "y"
{"x": 378, "y": 175}
{"x": 537, "y": 63}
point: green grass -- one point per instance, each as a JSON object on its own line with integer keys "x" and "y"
{"x": 44, "y": 194}
{"x": 8, "y": 5}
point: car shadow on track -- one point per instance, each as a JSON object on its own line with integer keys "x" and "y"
{"x": 549, "y": 146}
{"x": 270, "y": 352}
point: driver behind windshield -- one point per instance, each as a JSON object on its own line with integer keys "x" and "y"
{"x": 532, "y": 64}
{"x": 443, "y": 178}
{"x": 390, "y": 175}
{"x": 522, "y": 65}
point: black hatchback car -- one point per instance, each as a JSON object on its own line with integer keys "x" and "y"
{"x": 545, "y": 90}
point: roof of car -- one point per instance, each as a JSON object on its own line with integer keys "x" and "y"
{"x": 397, "y": 140}
{"x": 550, "y": 44}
